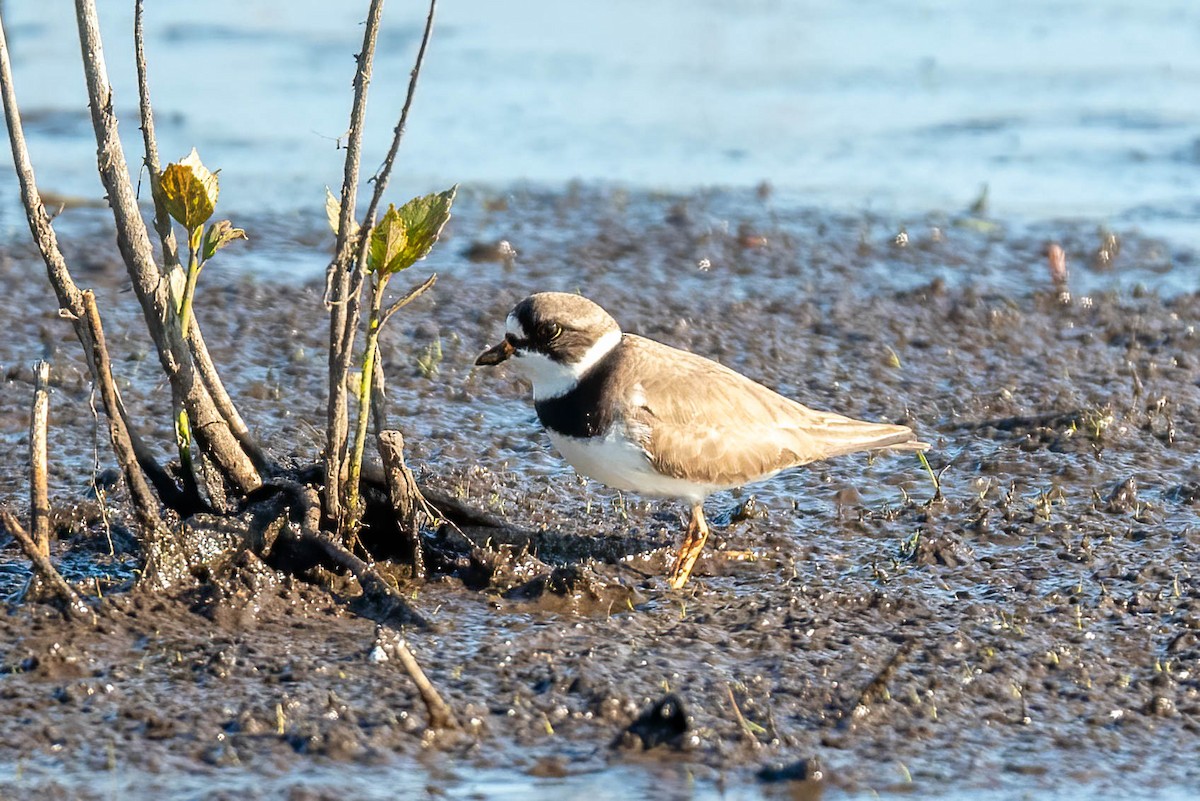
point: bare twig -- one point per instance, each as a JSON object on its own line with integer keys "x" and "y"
{"x": 407, "y": 503}
{"x": 412, "y": 295}
{"x": 153, "y": 292}
{"x": 381, "y": 177}
{"x": 162, "y": 220}
{"x": 441, "y": 717}
{"x": 42, "y": 565}
{"x": 741, "y": 719}
{"x": 39, "y": 222}
{"x": 145, "y": 505}
{"x": 347, "y": 299}
{"x": 39, "y": 489}
{"x": 385, "y": 169}
{"x": 343, "y": 286}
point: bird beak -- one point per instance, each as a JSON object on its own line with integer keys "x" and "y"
{"x": 496, "y": 354}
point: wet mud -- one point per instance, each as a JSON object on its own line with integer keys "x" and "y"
{"x": 1029, "y": 624}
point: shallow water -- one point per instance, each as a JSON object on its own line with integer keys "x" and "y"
{"x": 328, "y": 783}
{"x": 1069, "y": 108}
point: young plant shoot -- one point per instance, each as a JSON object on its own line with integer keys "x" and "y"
{"x": 189, "y": 192}
{"x": 402, "y": 238}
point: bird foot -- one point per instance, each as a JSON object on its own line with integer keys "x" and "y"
{"x": 689, "y": 552}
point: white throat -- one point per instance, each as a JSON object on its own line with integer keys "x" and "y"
{"x": 552, "y": 379}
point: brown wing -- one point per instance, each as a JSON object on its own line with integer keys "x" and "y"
{"x": 705, "y": 423}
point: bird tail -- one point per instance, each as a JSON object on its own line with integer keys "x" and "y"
{"x": 845, "y": 435}
{"x": 909, "y": 445}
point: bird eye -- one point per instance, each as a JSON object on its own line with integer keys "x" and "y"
{"x": 548, "y": 332}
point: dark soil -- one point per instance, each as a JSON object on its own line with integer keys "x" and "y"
{"x": 1033, "y": 627}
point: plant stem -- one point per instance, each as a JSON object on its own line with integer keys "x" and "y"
{"x": 183, "y": 426}
{"x": 183, "y": 441}
{"x": 346, "y": 271}
{"x": 364, "y": 403}
{"x": 162, "y": 224}
{"x": 193, "y": 273}
{"x": 39, "y": 493}
{"x": 342, "y": 282}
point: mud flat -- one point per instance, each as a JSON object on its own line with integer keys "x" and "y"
{"x": 1033, "y": 628}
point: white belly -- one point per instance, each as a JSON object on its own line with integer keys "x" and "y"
{"x": 620, "y": 463}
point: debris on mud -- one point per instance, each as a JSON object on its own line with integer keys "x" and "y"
{"x": 664, "y": 723}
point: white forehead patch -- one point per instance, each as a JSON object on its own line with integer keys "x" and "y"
{"x": 513, "y": 326}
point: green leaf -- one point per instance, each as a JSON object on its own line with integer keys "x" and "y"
{"x": 189, "y": 191}
{"x": 333, "y": 213}
{"x": 218, "y": 235}
{"x": 406, "y": 235}
{"x": 389, "y": 241}
{"x": 424, "y": 218}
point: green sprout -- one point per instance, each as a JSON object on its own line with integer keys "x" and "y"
{"x": 189, "y": 191}
{"x": 402, "y": 238}
{"x": 937, "y": 484}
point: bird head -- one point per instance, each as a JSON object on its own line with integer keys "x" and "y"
{"x": 553, "y": 339}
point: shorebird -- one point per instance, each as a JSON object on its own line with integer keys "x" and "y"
{"x": 644, "y": 417}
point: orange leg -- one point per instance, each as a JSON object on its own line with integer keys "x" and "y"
{"x": 689, "y": 552}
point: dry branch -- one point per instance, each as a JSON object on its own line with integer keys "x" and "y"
{"x": 346, "y": 273}
{"x": 380, "y": 179}
{"x": 441, "y": 717}
{"x": 343, "y": 286}
{"x": 407, "y": 503}
{"x": 39, "y": 487}
{"x": 211, "y": 430}
{"x": 170, "y": 251}
{"x": 381, "y": 176}
{"x": 145, "y": 505}
{"x": 43, "y": 567}
{"x": 39, "y": 222}
{"x": 162, "y": 220}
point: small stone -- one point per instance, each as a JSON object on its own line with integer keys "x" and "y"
{"x": 805, "y": 770}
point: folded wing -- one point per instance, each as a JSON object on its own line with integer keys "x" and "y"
{"x": 705, "y": 423}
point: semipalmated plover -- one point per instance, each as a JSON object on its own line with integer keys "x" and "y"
{"x": 644, "y": 417}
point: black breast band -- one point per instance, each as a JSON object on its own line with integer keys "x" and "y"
{"x": 584, "y": 412}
